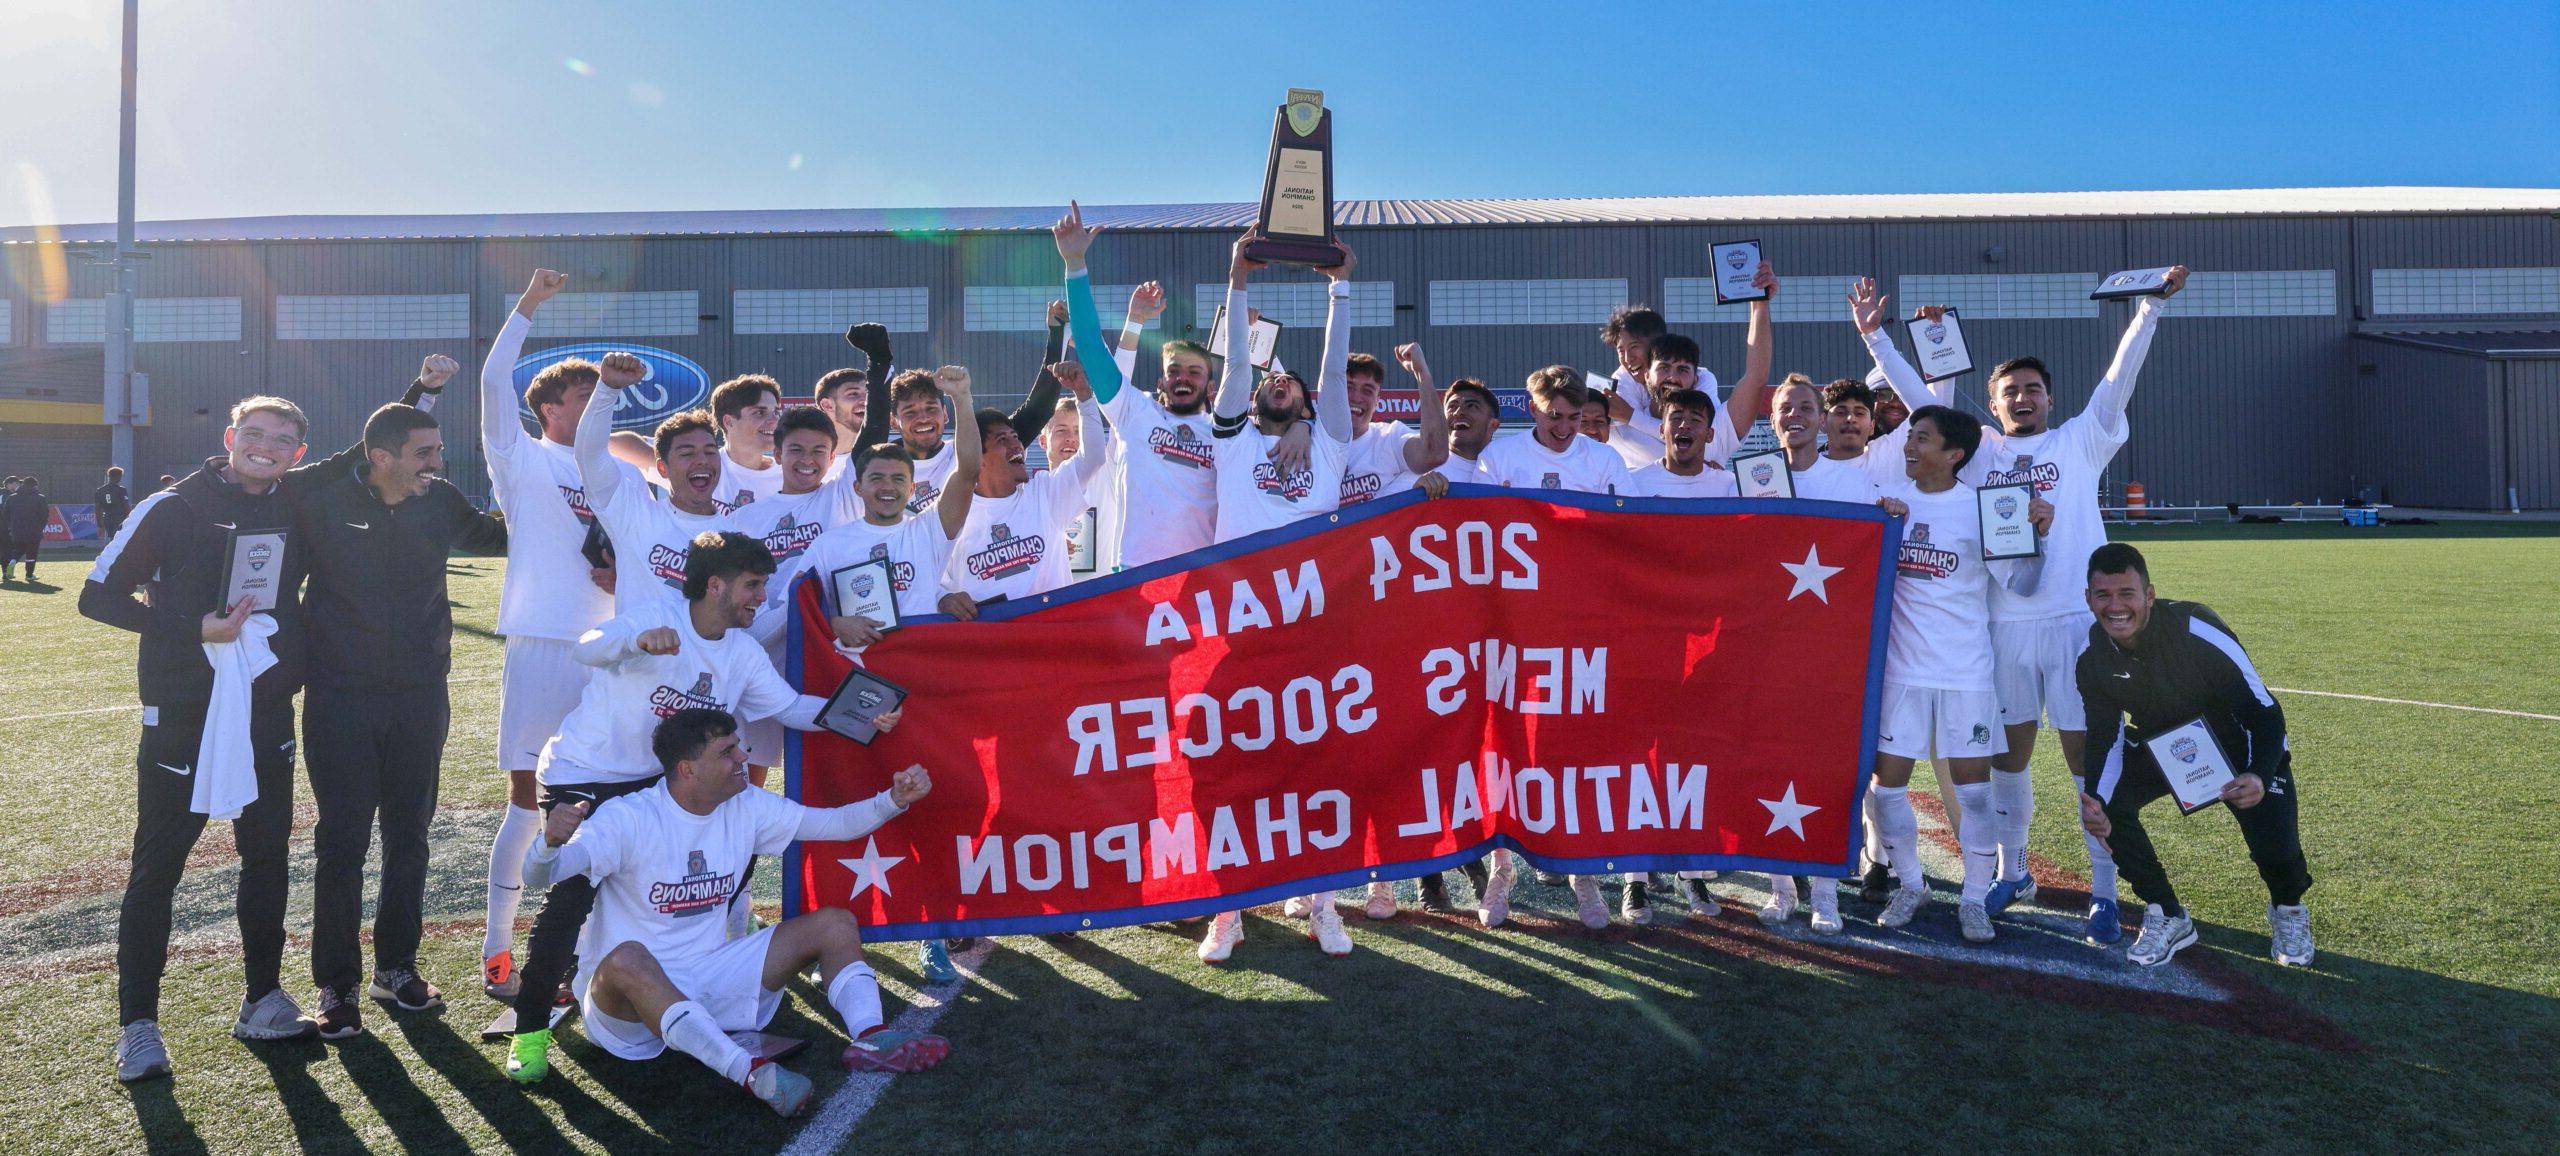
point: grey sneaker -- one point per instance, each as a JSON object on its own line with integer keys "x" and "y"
{"x": 1976, "y": 921}
{"x": 2162, "y": 936}
{"x": 2291, "y": 927}
{"x": 1702, "y": 902}
{"x": 274, "y": 1017}
{"x": 1587, "y": 902}
{"x": 139, "y": 1053}
{"x": 1906, "y": 902}
{"x": 401, "y": 988}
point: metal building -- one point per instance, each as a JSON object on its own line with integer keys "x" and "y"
{"x": 2391, "y": 342}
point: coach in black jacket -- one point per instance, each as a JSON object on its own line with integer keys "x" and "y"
{"x": 373, "y": 727}
{"x": 2160, "y": 665}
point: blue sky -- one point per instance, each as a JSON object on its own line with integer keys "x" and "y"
{"x": 295, "y": 106}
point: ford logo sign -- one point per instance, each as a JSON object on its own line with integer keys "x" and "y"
{"x": 673, "y": 384}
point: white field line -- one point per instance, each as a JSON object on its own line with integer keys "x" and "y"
{"x": 15, "y": 718}
{"x": 2416, "y": 702}
{"x": 828, "y": 1131}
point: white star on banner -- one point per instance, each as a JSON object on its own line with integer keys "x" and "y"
{"x": 872, "y": 870}
{"x": 1810, "y": 575}
{"x": 1786, "y": 812}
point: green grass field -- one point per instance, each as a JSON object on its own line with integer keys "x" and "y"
{"x": 2434, "y": 992}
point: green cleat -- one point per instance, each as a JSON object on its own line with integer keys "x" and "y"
{"x": 529, "y": 1056}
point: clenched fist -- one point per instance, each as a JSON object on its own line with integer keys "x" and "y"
{"x": 619, "y": 369}
{"x": 545, "y": 283}
{"x": 436, "y": 370}
{"x": 909, "y": 785}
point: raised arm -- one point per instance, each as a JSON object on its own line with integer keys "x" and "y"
{"x": 1870, "y": 310}
{"x": 1074, "y": 239}
{"x": 1041, "y": 403}
{"x": 953, "y": 506}
{"x": 1429, "y": 451}
{"x": 1333, "y": 401}
{"x": 1078, "y": 471}
{"x": 872, "y": 338}
{"x": 1146, "y": 303}
{"x": 499, "y": 425}
{"x": 2116, "y": 388}
{"x": 852, "y": 820}
{"x": 1749, "y": 401}
{"x": 428, "y": 389}
{"x": 595, "y": 429}
{"x": 620, "y": 639}
{"x": 1235, "y": 375}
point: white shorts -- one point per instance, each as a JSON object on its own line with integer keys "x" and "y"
{"x": 728, "y": 983}
{"x": 2035, "y": 670}
{"x": 537, "y": 688}
{"x": 1920, "y": 722}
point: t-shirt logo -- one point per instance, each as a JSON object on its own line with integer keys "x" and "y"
{"x": 741, "y": 498}
{"x": 1360, "y": 487}
{"x": 667, "y": 700}
{"x": 1178, "y": 445}
{"x": 667, "y": 562}
{"x": 925, "y": 494}
{"x": 1006, "y": 555}
{"x": 1299, "y": 483}
{"x": 1921, "y": 559}
{"x": 791, "y": 536}
{"x": 1551, "y": 480}
{"x": 2024, "y": 469}
{"x": 901, "y": 574}
{"x": 699, "y": 893}
{"x": 577, "y": 499}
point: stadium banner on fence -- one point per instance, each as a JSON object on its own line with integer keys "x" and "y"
{"x": 1606, "y": 684}
{"x": 72, "y": 523}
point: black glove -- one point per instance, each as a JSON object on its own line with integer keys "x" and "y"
{"x": 872, "y": 338}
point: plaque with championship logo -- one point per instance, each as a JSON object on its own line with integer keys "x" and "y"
{"x": 1081, "y": 542}
{"x": 1296, "y": 220}
{"x": 1736, "y": 262}
{"x": 1764, "y": 475}
{"x": 253, "y": 569}
{"x": 865, "y": 590}
{"x": 2133, "y": 283}
{"x": 1940, "y": 347}
{"x": 1262, "y": 338}
{"x": 855, "y": 708}
{"x": 2007, "y": 531}
{"x": 2193, "y": 763}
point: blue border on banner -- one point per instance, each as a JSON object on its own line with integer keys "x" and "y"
{"x": 1887, "y": 571}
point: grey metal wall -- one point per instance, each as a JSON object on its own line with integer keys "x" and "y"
{"x": 2230, "y": 408}
{"x": 2532, "y": 388}
{"x": 2425, "y": 427}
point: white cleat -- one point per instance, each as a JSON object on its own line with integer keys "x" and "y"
{"x": 1382, "y": 901}
{"x": 1225, "y": 932}
{"x": 1702, "y": 902}
{"x": 1294, "y": 907}
{"x": 2161, "y": 938}
{"x": 1906, "y": 903}
{"x": 1587, "y": 902}
{"x": 1826, "y": 907}
{"x": 1493, "y": 907}
{"x": 1976, "y": 921}
{"x": 2291, "y": 935}
{"x": 1325, "y": 927}
{"x": 1782, "y": 901}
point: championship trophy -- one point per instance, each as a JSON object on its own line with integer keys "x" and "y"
{"x": 1296, "y": 221}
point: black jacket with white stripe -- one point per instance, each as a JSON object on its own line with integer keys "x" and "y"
{"x": 2185, "y": 664}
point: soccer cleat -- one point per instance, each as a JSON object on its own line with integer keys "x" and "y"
{"x": 1826, "y": 907}
{"x": 1587, "y": 902}
{"x": 1702, "y": 902}
{"x": 529, "y": 1056}
{"x": 140, "y": 1054}
{"x": 1225, "y": 932}
{"x": 2106, "y": 924}
{"x": 498, "y": 977}
{"x": 2006, "y": 893}
{"x": 1325, "y": 927}
{"x": 274, "y": 1016}
{"x": 1476, "y": 875}
{"x": 1782, "y": 901}
{"x": 783, "y": 1090}
{"x": 934, "y": 960}
{"x": 2162, "y": 935}
{"x": 1493, "y": 898}
{"x": 2290, "y": 942}
{"x": 1435, "y": 895}
{"x": 1382, "y": 901}
{"x": 401, "y": 988}
{"x": 1906, "y": 902}
{"x": 1294, "y": 907}
{"x": 1876, "y": 885}
{"x": 886, "y": 1049}
{"x": 340, "y": 1016}
{"x": 1976, "y": 921}
{"x": 1633, "y": 903}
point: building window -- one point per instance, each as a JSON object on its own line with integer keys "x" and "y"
{"x": 907, "y": 309}
{"x": 1693, "y": 299}
{"x": 1301, "y": 304}
{"x": 8, "y": 315}
{"x": 83, "y": 321}
{"x": 2466, "y": 291}
{"x": 1025, "y": 308}
{"x": 1986, "y": 295}
{"x": 2260, "y": 293}
{"x": 1587, "y": 301}
{"x": 374, "y": 317}
{"x": 670, "y": 313}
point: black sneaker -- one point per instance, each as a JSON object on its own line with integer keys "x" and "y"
{"x": 1633, "y": 906}
{"x": 1477, "y": 876}
{"x": 401, "y": 988}
{"x": 1435, "y": 895}
{"x": 340, "y": 1016}
{"x": 1551, "y": 879}
{"x": 1877, "y": 884}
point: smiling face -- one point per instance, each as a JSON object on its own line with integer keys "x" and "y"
{"x": 1926, "y": 454}
{"x": 922, "y": 420}
{"x": 1361, "y": 390}
{"x": 1000, "y": 456}
{"x": 1185, "y": 387}
{"x": 2021, "y": 401}
{"x": 805, "y": 455}
{"x": 750, "y": 430}
{"x": 1666, "y": 375}
{"x": 408, "y": 473}
{"x": 1279, "y": 400}
{"x": 1063, "y": 437}
{"x": 1849, "y": 425}
{"x": 691, "y": 466}
{"x": 885, "y": 485}
{"x": 1595, "y": 417}
{"x": 849, "y": 404}
{"x": 1471, "y": 424}
{"x": 1684, "y": 437}
{"x": 2122, "y": 603}
{"x": 263, "y": 445}
{"x": 718, "y": 773}
{"x": 1797, "y": 414}
{"x": 1634, "y": 353}
{"x": 1558, "y": 420}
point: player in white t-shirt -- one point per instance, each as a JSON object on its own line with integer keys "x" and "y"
{"x": 918, "y": 549}
{"x": 1688, "y": 417}
{"x": 1474, "y": 416}
{"x": 1635, "y": 404}
{"x": 662, "y": 861}
{"x": 1093, "y": 534}
{"x": 1256, "y": 494}
{"x": 1937, "y": 667}
{"x": 1014, "y": 543}
{"x": 1385, "y": 457}
{"x": 2037, "y": 639}
{"x": 858, "y": 399}
{"x": 649, "y": 537}
{"x": 649, "y": 662}
{"x": 748, "y": 411}
{"x": 789, "y": 521}
{"x": 551, "y": 595}
{"x": 1799, "y": 416}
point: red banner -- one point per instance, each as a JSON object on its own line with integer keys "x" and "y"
{"x": 1606, "y": 684}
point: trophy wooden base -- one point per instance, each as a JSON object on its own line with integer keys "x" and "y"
{"x": 1282, "y": 251}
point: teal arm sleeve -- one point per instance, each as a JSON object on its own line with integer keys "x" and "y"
{"x": 1101, "y": 371}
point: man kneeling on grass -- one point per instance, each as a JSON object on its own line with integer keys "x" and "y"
{"x": 664, "y": 863}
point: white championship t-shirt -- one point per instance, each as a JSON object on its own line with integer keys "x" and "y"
{"x": 1375, "y": 465}
{"x": 1016, "y": 546}
{"x": 1656, "y": 480}
{"x": 1832, "y": 480}
{"x": 547, "y": 593}
{"x": 1585, "y": 465}
{"x": 932, "y": 474}
{"x": 1168, "y": 478}
{"x": 606, "y": 737}
{"x": 741, "y": 486}
{"x": 1941, "y": 635}
{"x": 916, "y": 548}
{"x": 2065, "y": 464}
{"x": 1252, "y": 494}
{"x": 664, "y": 875}
{"x": 651, "y": 540}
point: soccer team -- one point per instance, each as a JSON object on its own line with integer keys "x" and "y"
{"x": 645, "y": 597}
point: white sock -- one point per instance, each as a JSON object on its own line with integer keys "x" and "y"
{"x": 2013, "y": 801}
{"x": 1782, "y": 890}
{"x": 516, "y": 834}
{"x": 1875, "y": 829}
{"x": 1901, "y": 832}
{"x": 689, "y": 1028}
{"x": 2102, "y": 868}
{"x": 855, "y": 994}
{"x": 1980, "y": 840}
{"x": 1826, "y": 896}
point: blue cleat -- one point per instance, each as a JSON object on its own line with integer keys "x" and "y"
{"x": 2007, "y": 893}
{"x": 2106, "y": 927}
{"x": 936, "y": 961}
